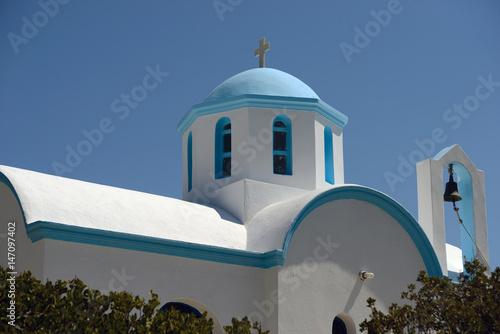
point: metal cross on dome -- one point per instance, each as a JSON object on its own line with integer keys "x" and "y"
{"x": 261, "y": 51}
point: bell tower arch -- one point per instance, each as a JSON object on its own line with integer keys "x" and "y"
{"x": 472, "y": 207}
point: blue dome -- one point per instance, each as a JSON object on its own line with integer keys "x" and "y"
{"x": 262, "y": 81}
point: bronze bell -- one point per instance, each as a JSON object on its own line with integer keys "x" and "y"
{"x": 451, "y": 192}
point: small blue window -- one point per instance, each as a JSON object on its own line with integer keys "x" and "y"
{"x": 282, "y": 145}
{"x": 190, "y": 160}
{"x": 223, "y": 148}
{"x": 339, "y": 326}
{"x": 328, "y": 139}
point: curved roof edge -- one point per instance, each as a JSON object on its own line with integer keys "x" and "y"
{"x": 5, "y": 180}
{"x": 78, "y": 204}
{"x": 262, "y": 101}
{"x": 384, "y": 202}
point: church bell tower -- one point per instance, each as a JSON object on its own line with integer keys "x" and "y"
{"x": 472, "y": 207}
{"x": 260, "y": 137}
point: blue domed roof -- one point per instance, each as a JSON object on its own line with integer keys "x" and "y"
{"x": 262, "y": 81}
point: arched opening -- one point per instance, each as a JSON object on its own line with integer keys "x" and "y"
{"x": 339, "y": 326}
{"x": 282, "y": 145}
{"x": 223, "y": 148}
{"x": 460, "y": 236}
{"x": 186, "y": 305}
{"x": 328, "y": 143}
{"x": 452, "y": 227}
{"x": 343, "y": 324}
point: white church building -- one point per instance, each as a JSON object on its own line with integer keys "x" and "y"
{"x": 266, "y": 228}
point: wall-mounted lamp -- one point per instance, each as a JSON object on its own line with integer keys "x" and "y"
{"x": 363, "y": 275}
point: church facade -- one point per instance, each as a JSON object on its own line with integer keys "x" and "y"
{"x": 266, "y": 228}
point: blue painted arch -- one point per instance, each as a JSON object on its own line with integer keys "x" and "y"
{"x": 384, "y": 202}
{"x": 262, "y": 101}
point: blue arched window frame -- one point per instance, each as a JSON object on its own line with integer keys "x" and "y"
{"x": 190, "y": 161}
{"x": 223, "y": 148}
{"x": 338, "y": 326}
{"x": 328, "y": 143}
{"x": 282, "y": 145}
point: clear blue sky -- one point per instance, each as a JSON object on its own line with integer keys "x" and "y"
{"x": 61, "y": 72}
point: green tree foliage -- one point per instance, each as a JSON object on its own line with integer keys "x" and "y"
{"x": 471, "y": 305}
{"x": 244, "y": 326}
{"x": 71, "y": 307}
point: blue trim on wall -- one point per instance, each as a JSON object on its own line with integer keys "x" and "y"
{"x": 47, "y": 230}
{"x": 328, "y": 143}
{"x": 384, "y": 202}
{"x": 190, "y": 160}
{"x": 262, "y": 101}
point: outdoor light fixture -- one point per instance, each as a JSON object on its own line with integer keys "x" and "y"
{"x": 363, "y": 275}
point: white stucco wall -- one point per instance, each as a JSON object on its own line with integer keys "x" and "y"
{"x": 331, "y": 246}
{"x": 222, "y": 290}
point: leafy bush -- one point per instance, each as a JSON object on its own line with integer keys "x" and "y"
{"x": 472, "y": 305}
{"x": 71, "y": 307}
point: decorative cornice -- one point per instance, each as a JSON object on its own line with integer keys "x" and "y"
{"x": 262, "y": 101}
